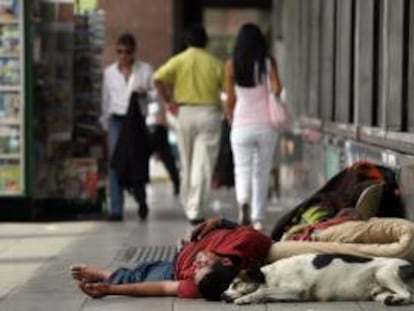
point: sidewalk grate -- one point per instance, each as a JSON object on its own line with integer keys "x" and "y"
{"x": 134, "y": 254}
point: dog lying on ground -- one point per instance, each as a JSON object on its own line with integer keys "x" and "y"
{"x": 312, "y": 277}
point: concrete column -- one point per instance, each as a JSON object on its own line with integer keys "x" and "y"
{"x": 326, "y": 66}
{"x": 291, "y": 36}
{"x": 363, "y": 61}
{"x": 411, "y": 71}
{"x": 303, "y": 87}
{"x": 343, "y": 60}
{"x": 391, "y": 71}
{"x": 314, "y": 50}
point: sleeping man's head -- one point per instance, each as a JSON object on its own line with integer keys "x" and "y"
{"x": 214, "y": 273}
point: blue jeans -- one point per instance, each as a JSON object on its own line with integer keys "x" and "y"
{"x": 115, "y": 190}
{"x": 144, "y": 272}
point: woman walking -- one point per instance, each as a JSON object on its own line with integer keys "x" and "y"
{"x": 250, "y": 75}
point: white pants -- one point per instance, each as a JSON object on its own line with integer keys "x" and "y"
{"x": 198, "y": 142}
{"x": 253, "y": 149}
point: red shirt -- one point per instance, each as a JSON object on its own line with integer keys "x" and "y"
{"x": 250, "y": 245}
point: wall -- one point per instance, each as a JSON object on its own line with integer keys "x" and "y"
{"x": 150, "y": 21}
{"x": 307, "y": 159}
{"x": 348, "y": 71}
{"x": 351, "y": 62}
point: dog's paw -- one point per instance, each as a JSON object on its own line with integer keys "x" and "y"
{"x": 242, "y": 301}
{"x": 377, "y": 291}
{"x": 393, "y": 300}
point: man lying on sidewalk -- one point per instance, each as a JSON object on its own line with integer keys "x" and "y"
{"x": 216, "y": 242}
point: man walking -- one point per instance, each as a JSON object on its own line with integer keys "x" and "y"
{"x": 121, "y": 79}
{"x": 196, "y": 78}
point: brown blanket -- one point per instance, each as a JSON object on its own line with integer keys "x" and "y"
{"x": 380, "y": 237}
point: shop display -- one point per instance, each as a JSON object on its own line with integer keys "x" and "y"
{"x": 62, "y": 75}
{"x": 9, "y": 10}
{"x": 81, "y": 178}
{"x": 53, "y": 93}
{"x": 12, "y": 164}
{"x": 88, "y": 138}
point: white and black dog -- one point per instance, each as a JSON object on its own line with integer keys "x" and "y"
{"x": 312, "y": 277}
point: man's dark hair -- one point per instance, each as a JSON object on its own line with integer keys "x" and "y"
{"x": 215, "y": 282}
{"x": 196, "y": 36}
{"x": 128, "y": 40}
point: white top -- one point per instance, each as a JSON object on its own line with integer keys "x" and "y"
{"x": 117, "y": 91}
{"x": 252, "y": 107}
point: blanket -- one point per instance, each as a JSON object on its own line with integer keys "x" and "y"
{"x": 380, "y": 237}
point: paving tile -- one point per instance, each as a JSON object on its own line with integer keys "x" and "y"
{"x": 129, "y": 304}
{"x": 201, "y": 305}
{"x": 375, "y": 306}
{"x": 42, "y": 302}
{"x": 35, "y": 260}
{"x": 314, "y": 306}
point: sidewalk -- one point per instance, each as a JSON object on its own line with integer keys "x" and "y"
{"x": 34, "y": 260}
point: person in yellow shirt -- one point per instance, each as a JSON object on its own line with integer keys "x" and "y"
{"x": 196, "y": 79}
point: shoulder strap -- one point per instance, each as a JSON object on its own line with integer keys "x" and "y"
{"x": 268, "y": 72}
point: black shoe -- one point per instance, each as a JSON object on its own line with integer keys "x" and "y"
{"x": 176, "y": 189}
{"x": 143, "y": 211}
{"x": 196, "y": 221}
{"x": 115, "y": 218}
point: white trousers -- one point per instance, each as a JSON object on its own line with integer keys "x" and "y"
{"x": 198, "y": 142}
{"x": 253, "y": 150}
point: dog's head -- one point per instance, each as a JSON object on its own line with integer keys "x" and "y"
{"x": 245, "y": 283}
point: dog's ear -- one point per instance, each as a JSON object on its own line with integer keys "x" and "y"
{"x": 254, "y": 274}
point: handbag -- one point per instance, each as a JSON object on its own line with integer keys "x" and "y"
{"x": 279, "y": 112}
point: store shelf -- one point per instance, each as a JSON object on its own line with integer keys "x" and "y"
{"x": 9, "y": 122}
{"x": 9, "y": 22}
{"x": 11, "y": 156}
{"x": 10, "y": 193}
{"x": 9, "y": 56}
{"x": 10, "y": 88}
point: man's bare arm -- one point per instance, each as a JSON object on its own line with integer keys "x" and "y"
{"x": 145, "y": 289}
{"x": 163, "y": 92}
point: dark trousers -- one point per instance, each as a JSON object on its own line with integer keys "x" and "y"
{"x": 158, "y": 137}
{"x": 140, "y": 194}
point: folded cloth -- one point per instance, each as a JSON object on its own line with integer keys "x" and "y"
{"x": 308, "y": 232}
{"x": 379, "y": 237}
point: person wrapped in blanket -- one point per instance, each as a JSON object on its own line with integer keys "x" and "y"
{"x": 368, "y": 188}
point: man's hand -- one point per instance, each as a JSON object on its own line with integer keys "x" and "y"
{"x": 95, "y": 290}
{"x": 142, "y": 91}
{"x": 205, "y": 227}
{"x": 172, "y": 108}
